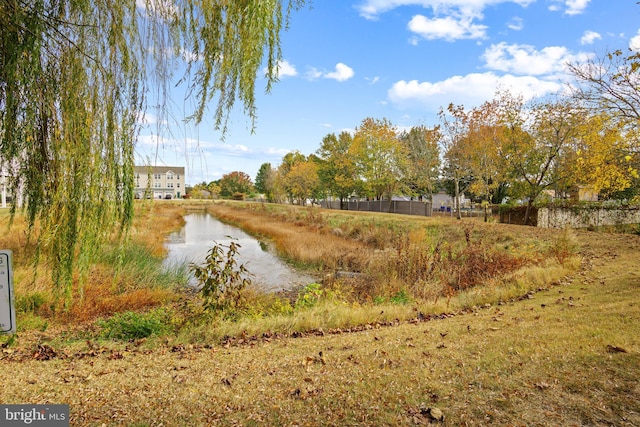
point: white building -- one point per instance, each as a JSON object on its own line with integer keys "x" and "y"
{"x": 159, "y": 182}
{"x": 441, "y": 201}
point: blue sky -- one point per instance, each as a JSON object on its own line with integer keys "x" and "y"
{"x": 402, "y": 60}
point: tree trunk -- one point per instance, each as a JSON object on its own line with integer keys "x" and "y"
{"x": 457, "y": 198}
{"x": 527, "y": 213}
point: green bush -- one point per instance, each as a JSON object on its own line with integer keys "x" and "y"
{"x": 401, "y": 297}
{"x": 314, "y": 293}
{"x": 131, "y": 325}
{"x": 222, "y": 281}
{"x": 309, "y": 295}
{"x": 30, "y": 303}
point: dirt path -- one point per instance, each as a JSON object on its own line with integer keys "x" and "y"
{"x": 569, "y": 355}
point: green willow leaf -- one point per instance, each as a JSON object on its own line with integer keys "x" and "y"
{"x": 74, "y": 78}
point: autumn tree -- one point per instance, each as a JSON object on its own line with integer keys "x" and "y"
{"x": 380, "y": 158}
{"x": 537, "y": 138}
{"x": 455, "y": 124}
{"x": 288, "y": 162}
{"x": 337, "y": 169}
{"x": 214, "y": 188}
{"x": 74, "y": 78}
{"x": 302, "y": 181}
{"x": 235, "y": 184}
{"x": 609, "y": 85}
{"x": 602, "y": 157}
{"x": 482, "y": 146}
{"x": 423, "y": 168}
{"x": 200, "y": 190}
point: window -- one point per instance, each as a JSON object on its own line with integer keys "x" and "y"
{"x": 170, "y": 185}
{"x": 169, "y": 175}
{"x": 156, "y": 185}
{"x": 156, "y": 176}
{"x": 178, "y": 185}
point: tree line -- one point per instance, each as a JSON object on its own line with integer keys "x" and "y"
{"x": 506, "y": 148}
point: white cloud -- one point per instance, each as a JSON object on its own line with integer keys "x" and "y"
{"x": 572, "y": 7}
{"x": 525, "y": 59}
{"x": 276, "y": 153}
{"x": 589, "y": 37}
{"x": 634, "y": 43}
{"x": 448, "y": 28}
{"x": 164, "y": 8}
{"x": 153, "y": 140}
{"x": 285, "y": 69}
{"x": 575, "y": 7}
{"x": 313, "y": 73}
{"x": 342, "y": 73}
{"x": 516, "y": 23}
{"x": 146, "y": 118}
{"x": 470, "y": 90}
{"x": 451, "y": 20}
{"x": 370, "y": 9}
{"x": 521, "y": 69}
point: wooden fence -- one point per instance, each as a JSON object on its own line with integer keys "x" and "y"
{"x": 407, "y": 207}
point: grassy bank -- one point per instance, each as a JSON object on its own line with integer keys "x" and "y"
{"x": 369, "y": 263}
{"x": 127, "y": 274}
{"x": 566, "y": 356}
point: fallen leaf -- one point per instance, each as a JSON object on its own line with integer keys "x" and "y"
{"x": 615, "y": 349}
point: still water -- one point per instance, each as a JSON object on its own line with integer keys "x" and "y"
{"x": 202, "y": 231}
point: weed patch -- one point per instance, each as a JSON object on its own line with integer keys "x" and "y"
{"x": 131, "y": 325}
{"x": 222, "y": 280}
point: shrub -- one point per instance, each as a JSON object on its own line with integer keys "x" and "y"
{"x": 309, "y": 295}
{"x": 401, "y": 297}
{"x": 314, "y": 293}
{"x": 564, "y": 247}
{"x": 222, "y": 281}
{"x": 30, "y": 303}
{"x": 131, "y": 325}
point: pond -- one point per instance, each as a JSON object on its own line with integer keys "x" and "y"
{"x": 202, "y": 231}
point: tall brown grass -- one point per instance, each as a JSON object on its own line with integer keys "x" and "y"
{"x": 125, "y": 276}
{"x": 364, "y": 258}
{"x": 383, "y": 255}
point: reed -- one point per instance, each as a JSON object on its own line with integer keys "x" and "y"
{"x": 127, "y": 274}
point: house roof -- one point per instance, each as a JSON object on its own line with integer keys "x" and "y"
{"x": 159, "y": 169}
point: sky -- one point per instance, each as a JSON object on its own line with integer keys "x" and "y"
{"x": 401, "y": 60}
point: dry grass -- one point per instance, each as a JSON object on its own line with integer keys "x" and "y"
{"x": 428, "y": 258}
{"x": 298, "y": 234}
{"x": 107, "y": 289}
{"x": 540, "y": 345}
{"x": 566, "y": 356}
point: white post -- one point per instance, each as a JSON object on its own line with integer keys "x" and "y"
{"x": 4, "y": 189}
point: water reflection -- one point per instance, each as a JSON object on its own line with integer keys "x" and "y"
{"x": 197, "y": 237}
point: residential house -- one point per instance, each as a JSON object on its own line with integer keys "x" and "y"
{"x": 159, "y": 182}
{"x": 442, "y": 202}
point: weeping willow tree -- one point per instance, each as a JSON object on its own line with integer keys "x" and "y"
{"x": 74, "y": 78}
